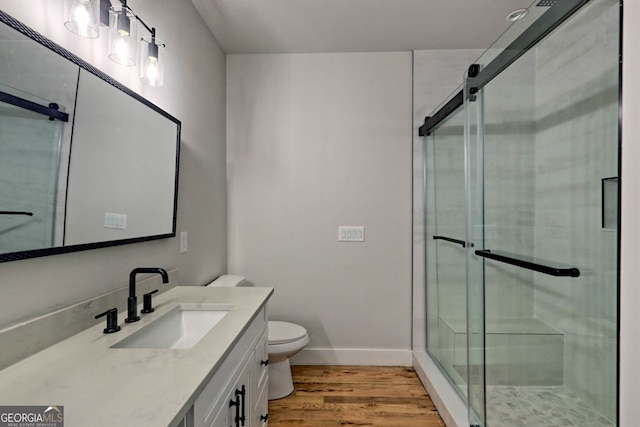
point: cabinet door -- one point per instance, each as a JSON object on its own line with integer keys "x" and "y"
{"x": 259, "y": 382}
{"x": 261, "y": 410}
{"x": 239, "y": 408}
{"x": 261, "y": 361}
{"x": 216, "y": 394}
{"x": 222, "y": 418}
{"x": 187, "y": 421}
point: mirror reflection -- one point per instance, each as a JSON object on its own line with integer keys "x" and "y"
{"x": 83, "y": 163}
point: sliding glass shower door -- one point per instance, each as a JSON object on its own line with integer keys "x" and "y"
{"x": 549, "y": 244}
{"x": 445, "y": 234}
{"x": 28, "y": 190}
{"x": 522, "y": 228}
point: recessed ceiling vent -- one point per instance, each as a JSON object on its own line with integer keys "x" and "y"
{"x": 546, "y": 3}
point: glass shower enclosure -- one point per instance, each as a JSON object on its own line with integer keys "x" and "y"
{"x": 521, "y": 213}
{"x": 30, "y": 129}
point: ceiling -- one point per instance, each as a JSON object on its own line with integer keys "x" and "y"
{"x": 299, "y": 26}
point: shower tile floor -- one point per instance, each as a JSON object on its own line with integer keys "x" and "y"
{"x": 540, "y": 407}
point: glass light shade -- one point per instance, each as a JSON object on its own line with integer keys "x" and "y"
{"x": 151, "y": 61}
{"x": 123, "y": 36}
{"x": 83, "y": 17}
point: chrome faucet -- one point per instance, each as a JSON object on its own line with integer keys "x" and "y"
{"x": 132, "y": 301}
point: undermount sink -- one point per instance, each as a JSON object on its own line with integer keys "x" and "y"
{"x": 181, "y": 328}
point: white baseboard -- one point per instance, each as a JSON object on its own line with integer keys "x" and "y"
{"x": 449, "y": 404}
{"x": 352, "y": 356}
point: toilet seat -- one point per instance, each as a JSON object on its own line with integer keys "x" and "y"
{"x": 284, "y": 332}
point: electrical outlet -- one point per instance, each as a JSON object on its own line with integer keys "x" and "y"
{"x": 183, "y": 242}
{"x": 115, "y": 220}
{"x": 351, "y": 233}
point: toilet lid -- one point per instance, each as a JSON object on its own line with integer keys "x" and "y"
{"x": 284, "y": 332}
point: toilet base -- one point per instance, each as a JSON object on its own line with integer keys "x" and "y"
{"x": 280, "y": 380}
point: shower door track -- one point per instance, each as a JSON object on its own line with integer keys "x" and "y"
{"x": 51, "y": 111}
{"x": 550, "y": 20}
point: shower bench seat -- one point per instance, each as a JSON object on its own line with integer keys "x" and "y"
{"x": 520, "y": 351}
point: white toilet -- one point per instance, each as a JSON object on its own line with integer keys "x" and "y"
{"x": 284, "y": 340}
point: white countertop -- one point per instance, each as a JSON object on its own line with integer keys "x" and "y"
{"x": 101, "y": 386}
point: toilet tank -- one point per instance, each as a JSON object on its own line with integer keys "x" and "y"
{"x": 230, "y": 281}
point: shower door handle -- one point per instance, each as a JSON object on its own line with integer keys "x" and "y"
{"x": 16, "y": 213}
{"x": 529, "y": 263}
{"x": 456, "y": 241}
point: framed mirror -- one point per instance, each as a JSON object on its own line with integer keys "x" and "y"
{"x": 84, "y": 161}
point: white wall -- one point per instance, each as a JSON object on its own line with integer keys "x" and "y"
{"x": 194, "y": 92}
{"x": 315, "y": 141}
{"x": 630, "y": 226}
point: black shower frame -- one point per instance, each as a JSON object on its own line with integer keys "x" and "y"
{"x": 50, "y": 111}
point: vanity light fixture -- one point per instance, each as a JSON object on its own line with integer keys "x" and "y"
{"x": 152, "y": 62}
{"x": 123, "y": 35}
{"x": 84, "y": 18}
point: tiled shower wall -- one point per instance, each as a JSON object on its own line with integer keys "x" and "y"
{"x": 575, "y": 148}
{"x": 508, "y": 187}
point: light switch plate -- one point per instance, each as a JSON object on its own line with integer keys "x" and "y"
{"x": 351, "y": 233}
{"x": 183, "y": 242}
{"x": 115, "y": 220}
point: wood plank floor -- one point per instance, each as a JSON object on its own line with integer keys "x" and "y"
{"x": 355, "y": 396}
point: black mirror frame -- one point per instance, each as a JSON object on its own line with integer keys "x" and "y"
{"x": 39, "y": 38}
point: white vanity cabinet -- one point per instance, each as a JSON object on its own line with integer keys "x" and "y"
{"x": 236, "y": 394}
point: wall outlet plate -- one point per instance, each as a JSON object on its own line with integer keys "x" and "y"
{"x": 115, "y": 220}
{"x": 351, "y": 233}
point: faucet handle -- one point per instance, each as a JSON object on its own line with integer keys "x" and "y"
{"x": 147, "y": 306}
{"x": 112, "y": 320}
